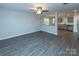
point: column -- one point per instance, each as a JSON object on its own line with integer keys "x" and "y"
{"x": 75, "y": 21}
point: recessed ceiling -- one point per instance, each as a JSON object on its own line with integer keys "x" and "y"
{"x": 52, "y": 7}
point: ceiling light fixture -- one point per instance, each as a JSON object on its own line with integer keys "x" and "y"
{"x": 39, "y": 10}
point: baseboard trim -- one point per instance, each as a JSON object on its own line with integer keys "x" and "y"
{"x": 25, "y": 34}
{"x": 17, "y": 35}
{"x": 50, "y": 32}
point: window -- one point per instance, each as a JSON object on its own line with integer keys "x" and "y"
{"x": 53, "y": 20}
{"x": 46, "y": 21}
{"x": 49, "y": 21}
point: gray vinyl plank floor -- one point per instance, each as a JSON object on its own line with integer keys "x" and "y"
{"x": 41, "y": 44}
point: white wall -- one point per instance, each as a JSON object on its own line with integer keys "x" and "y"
{"x": 14, "y": 23}
{"x": 51, "y": 29}
{"x": 76, "y": 23}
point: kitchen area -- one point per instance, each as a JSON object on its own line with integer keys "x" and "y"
{"x": 65, "y": 23}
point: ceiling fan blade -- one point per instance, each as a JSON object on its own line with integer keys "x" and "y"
{"x": 65, "y": 3}
{"x": 45, "y": 11}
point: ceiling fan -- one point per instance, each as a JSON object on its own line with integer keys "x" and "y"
{"x": 65, "y": 3}
{"x": 39, "y": 10}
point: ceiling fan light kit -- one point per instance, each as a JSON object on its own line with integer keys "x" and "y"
{"x": 39, "y": 10}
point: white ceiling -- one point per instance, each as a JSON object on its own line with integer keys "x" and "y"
{"x": 52, "y": 7}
